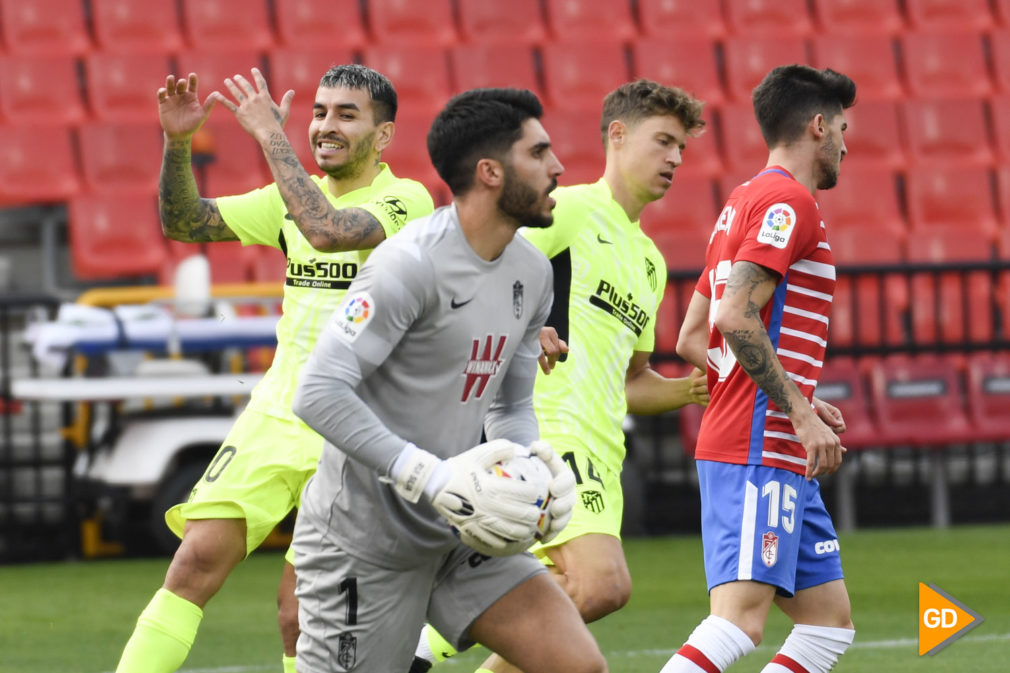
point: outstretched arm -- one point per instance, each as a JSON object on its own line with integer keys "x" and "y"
{"x": 326, "y": 228}
{"x": 649, "y": 392}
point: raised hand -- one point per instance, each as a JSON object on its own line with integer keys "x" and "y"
{"x": 179, "y": 107}
{"x": 253, "y": 107}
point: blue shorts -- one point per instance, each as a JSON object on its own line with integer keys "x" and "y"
{"x": 765, "y": 524}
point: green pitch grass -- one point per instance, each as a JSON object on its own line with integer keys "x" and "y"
{"x": 75, "y": 617}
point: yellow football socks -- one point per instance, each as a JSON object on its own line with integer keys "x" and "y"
{"x": 289, "y": 664}
{"x": 164, "y": 634}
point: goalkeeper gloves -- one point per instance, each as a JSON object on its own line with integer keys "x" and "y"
{"x": 562, "y": 488}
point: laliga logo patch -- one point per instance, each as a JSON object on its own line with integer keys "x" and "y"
{"x": 777, "y": 226}
{"x": 356, "y": 313}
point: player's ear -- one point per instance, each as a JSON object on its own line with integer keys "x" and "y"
{"x": 490, "y": 172}
{"x": 383, "y": 136}
{"x": 818, "y": 126}
{"x": 616, "y": 132}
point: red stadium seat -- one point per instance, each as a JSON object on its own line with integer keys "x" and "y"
{"x": 112, "y": 236}
{"x": 227, "y": 24}
{"x": 988, "y": 378}
{"x": 870, "y": 60}
{"x": 701, "y": 156}
{"x": 688, "y": 63}
{"x": 420, "y": 74}
{"x": 236, "y": 164}
{"x": 999, "y": 45}
{"x": 300, "y": 69}
{"x": 577, "y": 75}
{"x": 578, "y": 144}
{"x": 744, "y": 147}
{"x": 121, "y": 157}
{"x": 212, "y": 67}
{"x": 582, "y": 20}
{"x": 121, "y": 86}
{"x": 128, "y": 25}
{"x": 37, "y": 89}
{"x": 874, "y": 136}
{"x": 1000, "y": 108}
{"x": 270, "y": 266}
{"x": 37, "y": 164}
{"x": 320, "y": 24}
{"x": 841, "y": 384}
{"x": 962, "y": 15}
{"x": 407, "y": 155}
{"x": 931, "y": 72}
{"x": 952, "y": 131}
{"x": 231, "y": 262}
{"x": 859, "y": 17}
{"x": 514, "y": 23}
{"x": 689, "y": 204}
{"x": 782, "y": 19}
{"x": 952, "y": 198}
{"x": 1003, "y": 199}
{"x": 748, "y": 60}
{"x": 681, "y": 18}
{"x": 865, "y": 198}
{"x": 44, "y": 27}
{"x": 404, "y": 22}
{"x": 484, "y": 65}
{"x": 681, "y": 247}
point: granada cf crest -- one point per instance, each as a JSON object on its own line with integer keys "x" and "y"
{"x": 517, "y": 299}
{"x": 769, "y": 548}
{"x": 347, "y": 650}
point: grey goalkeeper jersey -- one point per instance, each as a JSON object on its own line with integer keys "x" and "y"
{"x": 431, "y": 343}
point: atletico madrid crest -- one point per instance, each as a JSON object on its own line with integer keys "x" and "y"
{"x": 769, "y": 548}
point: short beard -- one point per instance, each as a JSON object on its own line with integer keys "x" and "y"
{"x": 355, "y": 165}
{"x": 828, "y": 166}
{"x": 518, "y": 200}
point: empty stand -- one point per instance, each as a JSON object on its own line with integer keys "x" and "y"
{"x": 951, "y": 198}
{"x": 514, "y": 23}
{"x": 578, "y": 144}
{"x": 999, "y": 45}
{"x": 782, "y": 19}
{"x": 748, "y": 60}
{"x": 212, "y": 67}
{"x": 744, "y": 148}
{"x": 320, "y": 24}
{"x": 577, "y": 75}
{"x": 952, "y": 130}
{"x": 121, "y": 86}
{"x": 115, "y": 236}
{"x": 129, "y": 25}
{"x": 231, "y": 262}
{"x": 37, "y": 89}
{"x": 874, "y": 137}
{"x": 701, "y": 155}
{"x": 859, "y": 17}
{"x": 688, "y": 62}
{"x": 931, "y": 71}
{"x": 300, "y": 69}
{"x": 227, "y": 24}
{"x": 864, "y": 200}
{"x": 270, "y": 266}
{"x": 121, "y": 157}
{"x": 483, "y": 65}
{"x": 988, "y": 388}
{"x": 841, "y": 384}
{"x": 420, "y": 74}
{"x": 690, "y": 204}
{"x": 581, "y": 20}
{"x": 682, "y": 248}
{"x": 37, "y": 164}
{"x": 1000, "y": 107}
{"x": 681, "y": 18}
{"x": 870, "y": 60}
{"x": 49, "y": 27}
{"x": 403, "y": 22}
{"x": 234, "y": 162}
{"x": 960, "y": 15}
{"x": 407, "y": 155}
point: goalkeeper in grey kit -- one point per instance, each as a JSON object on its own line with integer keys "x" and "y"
{"x": 437, "y": 339}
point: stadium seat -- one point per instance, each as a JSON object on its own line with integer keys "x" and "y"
{"x": 952, "y": 131}
{"x": 744, "y": 148}
{"x": 683, "y": 248}
{"x": 874, "y": 137}
{"x": 690, "y": 204}
{"x": 688, "y": 62}
{"x": 483, "y": 65}
{"x": 865, "y": 199}
{"x": 420, "y": 74}
{"x": 681, "y": 18}
{"x": 212, "y": 67}
{"x": 320, "y": 24}
{"x": 870, "y": 60}
{"x": 514, "y": 23}
{"x": 782, "y": 19}
{"x": 748, "y": 60}
{"x": 578, "y": 144}
{"x": 972, "y": 16}
{"x": 300, "y": 68}
{"x": 931, "y": 72}
{"x": 701, "y": 155}
{"x": 841, "y": 384}
{"x": 270, "y": 266}
{"x": 128, "y": 25}
{"x": 121, "y": 157}
{"x": 954, "y": 198}
{"x": 918, "y": 401}
{"x": 44, "y": 27}
{"x": 1000, "y": 109}
{"x": 999, "y": 48}
{"x": 121, "y": 86}
{"x": 407, "y": 155}
{"x": 988, "y": 379}
{"x": 235, "y": 161}
{"x": 227, "y": 25}
{"x": 38, "y": 89}
{"x": 406, "y": 22}
{"x": 859, "y": 17}
{"x": 231, "y": 262}
{"x": 112, "y": 236}
{"x": 587, "y": 20}
{"x": 1003, "y": 199}
{"x": 37, "y": 164}
{"x": 577, "y": 75}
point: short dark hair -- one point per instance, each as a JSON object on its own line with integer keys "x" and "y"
{"x": 635, "y": 101}
{"x": 790, "y": 95}
{"x": 474, "y": 125}
{"x": 380, "y": 89}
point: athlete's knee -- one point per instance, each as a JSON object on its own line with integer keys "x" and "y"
{"x": 600, "y": 591}
{"x": 204, "y": 559}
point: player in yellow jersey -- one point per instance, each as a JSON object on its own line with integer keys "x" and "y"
{"x": 326, "y": 227}
{"x": 609, "y": 279}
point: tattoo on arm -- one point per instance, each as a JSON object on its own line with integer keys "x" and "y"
{"x": 185, "y": 216}
{"x": 328, "y": 229}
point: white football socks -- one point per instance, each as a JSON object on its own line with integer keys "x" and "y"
{"x": 712, "y": 647}
{"x": 811, "y": 649}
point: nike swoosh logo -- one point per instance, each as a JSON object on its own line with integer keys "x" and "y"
{"x": 599, "y": 237}
{"x": 453, "y": 304}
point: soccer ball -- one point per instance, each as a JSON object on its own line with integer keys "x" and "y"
{"x": 530, "y": 468}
